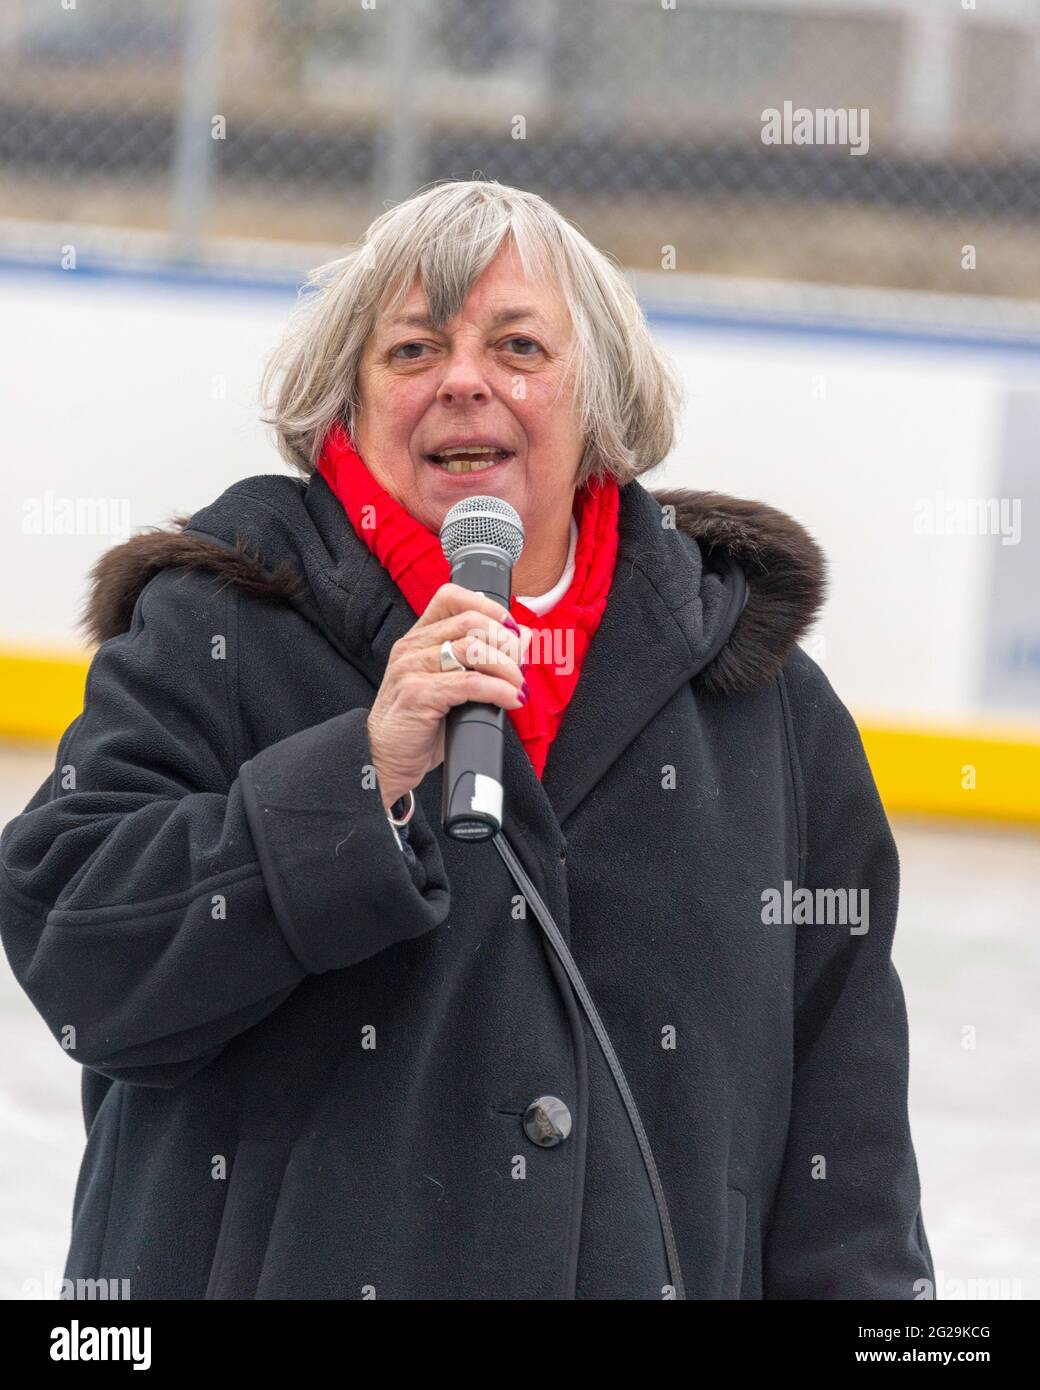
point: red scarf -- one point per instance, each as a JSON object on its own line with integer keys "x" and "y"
{"x": 411, "y": 554}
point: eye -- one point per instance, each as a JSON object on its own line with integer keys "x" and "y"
{"x": 530, "y": 342}
{"x": 402, "y": 346}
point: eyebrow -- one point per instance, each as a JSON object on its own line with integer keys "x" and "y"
{"x": 521, "y": 311}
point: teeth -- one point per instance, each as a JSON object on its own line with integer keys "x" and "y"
{"x": 474, "y": 449}
{"x": 471, "y": 459}
{"x": 455, "y": 465}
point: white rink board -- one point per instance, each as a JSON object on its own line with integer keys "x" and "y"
{"x": 145, "y": 393}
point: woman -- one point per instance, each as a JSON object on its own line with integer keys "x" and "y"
{"x": 326, "y": 1055}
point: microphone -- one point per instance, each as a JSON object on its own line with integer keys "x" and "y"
{"x": 482, "y": 539}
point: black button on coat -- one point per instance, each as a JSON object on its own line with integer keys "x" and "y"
{"x": 307, "y": 1057}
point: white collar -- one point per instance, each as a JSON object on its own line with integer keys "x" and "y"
{"x": 541, "y": 603}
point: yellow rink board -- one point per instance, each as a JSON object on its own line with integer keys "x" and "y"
{"x": 975, "y": 772}
{"x": 978, "y": 772}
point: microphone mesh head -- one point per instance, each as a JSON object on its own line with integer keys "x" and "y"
{"x": 482, "y": 521}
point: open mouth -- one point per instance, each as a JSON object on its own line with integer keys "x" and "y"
{"x": 470, "y": 460}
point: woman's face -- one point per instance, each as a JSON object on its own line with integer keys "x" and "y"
{"x": 490, "y": 377}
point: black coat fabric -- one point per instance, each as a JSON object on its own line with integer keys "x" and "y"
{"x": 306, "y": 1056}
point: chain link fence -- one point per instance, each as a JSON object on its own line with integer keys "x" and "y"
{"x": 856, "y": 142}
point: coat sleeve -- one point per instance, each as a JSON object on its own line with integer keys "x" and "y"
{"x": 846, "y": 1220}
{"x": 157, "y": 898}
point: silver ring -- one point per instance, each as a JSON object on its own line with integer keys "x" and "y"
{"x": 449, "y": 661}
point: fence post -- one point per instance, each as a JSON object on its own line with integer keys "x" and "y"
{"x": 193, "y": 153}
{"x": 396, "y": 169}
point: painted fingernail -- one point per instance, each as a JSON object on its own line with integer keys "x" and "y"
{"x": 524, "y": 690}
{"x": 521, "y": 697}
{"x": 508, "y": 622}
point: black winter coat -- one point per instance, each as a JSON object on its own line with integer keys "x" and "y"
{"x": 307, "y": 1058}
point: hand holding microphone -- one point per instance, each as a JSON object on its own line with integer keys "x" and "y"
{"x": 482, "y": 538}
{"x": 423, "y": 714}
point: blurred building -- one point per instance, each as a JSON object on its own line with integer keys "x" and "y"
{"x": 631, "y": 115}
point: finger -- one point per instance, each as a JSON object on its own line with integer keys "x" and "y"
{"x": 470, "y": 622}
{"x": 459, "y": 687}
{"x": 453, "y": 598}
{"x": 478, "y": 654}
{"x": 431, "y": 695}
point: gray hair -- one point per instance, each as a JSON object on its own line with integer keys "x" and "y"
{"x": 626, "y": 395}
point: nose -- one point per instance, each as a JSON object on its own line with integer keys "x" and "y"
{"x": 464, "y": 379}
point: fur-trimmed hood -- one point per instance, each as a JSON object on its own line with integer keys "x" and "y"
{"x": 784, "y": 568}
